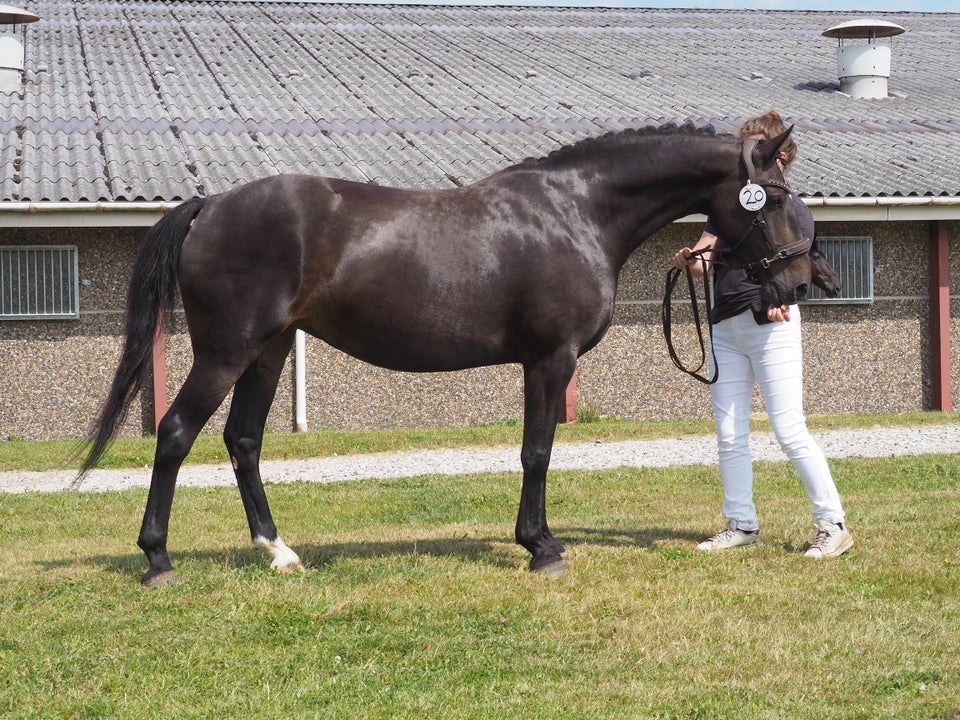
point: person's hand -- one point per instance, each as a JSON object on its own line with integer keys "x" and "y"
{"x": 683, "y": 260}
{"x": 778, "y": 313}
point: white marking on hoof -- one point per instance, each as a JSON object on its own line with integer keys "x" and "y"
{"x": 284, "y": 559}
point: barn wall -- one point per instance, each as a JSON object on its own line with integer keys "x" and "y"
{"x": 858, "y": 358}
{"x": 55, "y": 373}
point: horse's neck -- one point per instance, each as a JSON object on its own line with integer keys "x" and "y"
{"x": 649, "y": 190}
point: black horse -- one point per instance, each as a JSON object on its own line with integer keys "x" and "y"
{"x": 520, "y": 267}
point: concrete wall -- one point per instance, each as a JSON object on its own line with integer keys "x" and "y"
{"x": 55, "y": 373}
{"x": 858, "y": 358}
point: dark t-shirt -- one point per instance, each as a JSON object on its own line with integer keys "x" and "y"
{"x": 734, "y": 290}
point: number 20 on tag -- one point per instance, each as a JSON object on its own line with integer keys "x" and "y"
{"x": 753, "y": 197}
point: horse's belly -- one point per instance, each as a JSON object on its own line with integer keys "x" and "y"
{"x": 411, "y": 345}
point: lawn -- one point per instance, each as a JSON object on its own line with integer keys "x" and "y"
{"x": 417, "y": 603}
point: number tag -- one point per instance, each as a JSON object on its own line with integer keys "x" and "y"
{"x": 753, "y": 197}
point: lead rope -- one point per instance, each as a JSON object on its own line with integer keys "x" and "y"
{"x": 673, "y": 276}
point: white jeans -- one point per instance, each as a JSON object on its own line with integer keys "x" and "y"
{"x": 771, "y": 356}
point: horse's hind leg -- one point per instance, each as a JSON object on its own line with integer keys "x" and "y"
{"x": 544, "y": 384}
{"x": 201, "y": 394}
{"x": 243, "y": 436}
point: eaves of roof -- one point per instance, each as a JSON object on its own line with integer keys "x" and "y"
{"x": 141, "y": 213}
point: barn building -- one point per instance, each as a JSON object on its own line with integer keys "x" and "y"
{"x": 113, "y": 111}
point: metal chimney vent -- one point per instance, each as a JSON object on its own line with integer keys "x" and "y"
{"x": 863, "y": 68}
{"x": 12, "y": 21}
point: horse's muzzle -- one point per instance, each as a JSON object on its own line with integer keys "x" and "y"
{"x": 775, "y": 295}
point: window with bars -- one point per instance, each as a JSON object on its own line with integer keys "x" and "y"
{"x": 39, "y": 282}
{"x": 852, "y": 260}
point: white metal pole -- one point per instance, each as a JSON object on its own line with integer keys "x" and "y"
{"x": 300, "y": 381}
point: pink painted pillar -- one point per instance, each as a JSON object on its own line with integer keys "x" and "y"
{"x": 940, "y": 316}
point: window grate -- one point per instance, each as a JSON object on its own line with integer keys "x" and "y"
{"x": 39, "y": 282}
{"x": 852, "y": 259}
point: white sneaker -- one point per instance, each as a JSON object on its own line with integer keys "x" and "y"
{"x": 730, "y": 537}
{"x": 831, "y": 540}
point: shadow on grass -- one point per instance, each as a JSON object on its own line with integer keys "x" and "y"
{"x": 466, "y": 549}
{"x": 646, "y": 538}
{"x": 472, "y": 550}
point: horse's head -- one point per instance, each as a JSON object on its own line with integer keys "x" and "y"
{"x": 823, "y": 274}
{"x": 761, "y": 232}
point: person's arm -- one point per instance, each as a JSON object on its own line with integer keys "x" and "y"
{"x": 699, "y": 264}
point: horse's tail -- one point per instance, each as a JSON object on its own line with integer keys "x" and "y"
{"x": 150, "y": 300}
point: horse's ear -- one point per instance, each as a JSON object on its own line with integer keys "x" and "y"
{"x": 767, "y": 150}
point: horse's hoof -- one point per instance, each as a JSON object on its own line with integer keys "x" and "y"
{"x": 291, "y": 568}
{"x": 550, "y": 565}
{"x": 552, "y": 569}
{"x": 152, "y": 579}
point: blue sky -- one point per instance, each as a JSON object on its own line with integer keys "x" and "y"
{"x": 871, "y": 6}
{"x": 874, "y": 6}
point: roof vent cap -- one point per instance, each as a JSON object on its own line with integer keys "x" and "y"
{"x": 12, "y": 21}
{"x": 863, "y": 68}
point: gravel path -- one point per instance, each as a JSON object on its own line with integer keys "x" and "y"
{"x": 870, "y": 442}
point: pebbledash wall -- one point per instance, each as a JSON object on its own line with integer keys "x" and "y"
{"x": 858, "y": 358}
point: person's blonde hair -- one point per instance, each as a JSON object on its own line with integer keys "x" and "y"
{"x": 769, "y": 125}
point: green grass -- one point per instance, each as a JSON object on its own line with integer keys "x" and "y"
{"x": 18, "y": 454}
{"x": 417, "y": 604}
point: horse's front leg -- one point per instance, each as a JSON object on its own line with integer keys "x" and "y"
{"x": 243, "y": 435}
{"x": 544, "y": 385}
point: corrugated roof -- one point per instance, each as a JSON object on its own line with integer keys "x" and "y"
{"x": 166, "y": 100}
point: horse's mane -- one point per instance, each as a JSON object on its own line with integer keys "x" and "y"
{"x": 613, "y": 141}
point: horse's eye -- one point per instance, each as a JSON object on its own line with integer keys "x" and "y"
{"x": 776, "y": 201}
